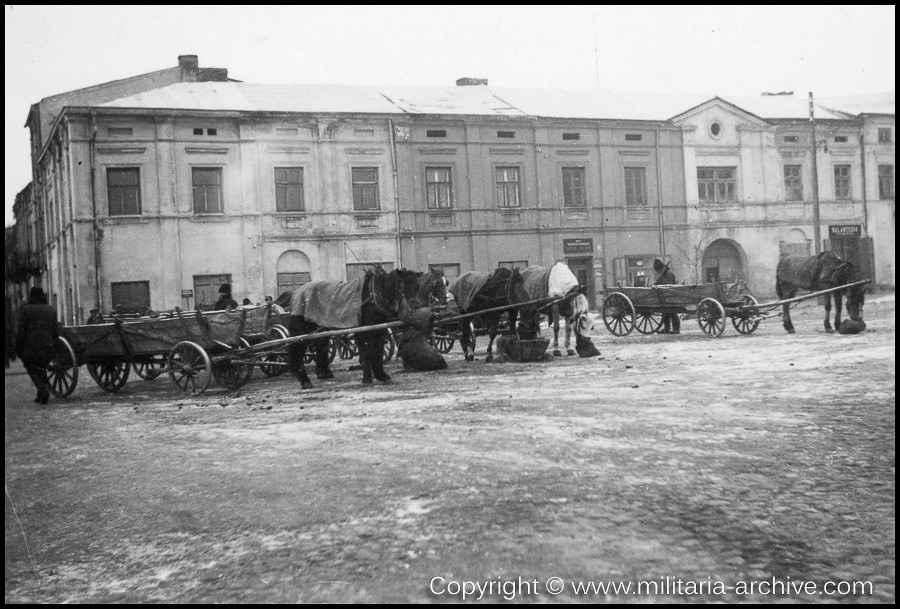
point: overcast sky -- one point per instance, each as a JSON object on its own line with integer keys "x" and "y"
{"x": 829, "y": 50}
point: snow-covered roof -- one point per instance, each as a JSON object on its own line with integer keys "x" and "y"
{"x": 480, "y": 100}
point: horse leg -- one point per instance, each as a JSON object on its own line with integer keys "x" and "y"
{"x": 376, "y": 356}
{"x": 569, "y": 349}
{"x": 554, "y": 320}
{"x": 297, "y": 327}
{"x": 828, "y": 314}
{"x": 364, "y": 346}
{"x": 492, "y": 334}
{"x": 838, "y": 305}
{"x": 467, "y": 341}
{"x": 784, "y": 292}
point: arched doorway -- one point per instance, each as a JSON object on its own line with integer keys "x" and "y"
{"x": 722, "y": 262}
{"x": 291, "y": 271}
{"x": 795, "y": 242}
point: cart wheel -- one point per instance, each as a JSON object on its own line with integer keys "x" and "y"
{"x": 390, "y": 346}
{"x": 711, "y": 317}
{"x": 618, "y": 314}
{"x": 442, "y": 341}
{"x": 746, "y": 321}
{"x": 277, "y": 358}
{"x": 110, "y": 376}
{"x": 151, "y": 368}
{"x": 346, "y": 347}
{"x": 648, "y": 322}
{"x": 232, "y": 374}
{"x": 189, "y": 367}
{"x": 62, "y": 373}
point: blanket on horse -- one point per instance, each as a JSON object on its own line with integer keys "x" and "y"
{"x": 466, "y": 287}
{"x": 555, "y": 281}
{"x": 330, "y": 304}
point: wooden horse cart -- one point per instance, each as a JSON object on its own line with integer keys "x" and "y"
{"x": 642, "y": 308}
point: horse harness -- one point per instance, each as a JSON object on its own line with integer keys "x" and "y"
{"x": 376, "y": 297}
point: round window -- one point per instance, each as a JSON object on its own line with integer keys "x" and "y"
{"x": 715, "y": 129}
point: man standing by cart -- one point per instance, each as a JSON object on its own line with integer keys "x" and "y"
{"x": 671, "y": 324}
{"x": 37, "y": 339}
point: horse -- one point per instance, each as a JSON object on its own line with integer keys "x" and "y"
{"x": 815, "y": 273}
{"x": 477, "y": 291}
{"x": 377, "y": 297}
{"x": 559, "y": 281}
{"x": 432, "y": 289}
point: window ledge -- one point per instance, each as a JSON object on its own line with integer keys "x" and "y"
{"x": 209, "y": 218}
{"x": 137, "y": 219}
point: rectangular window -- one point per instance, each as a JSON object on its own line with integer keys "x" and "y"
{"x": 355, "y": 271}
{"x": 120, "y": 131}
{"x": 365, "y": 188}
{"x": 633, "y": 137}
{"x": 438, "y": 188}
{"x": 884, "y": 135}
{"x": 716, "y": 184}
{"x": 840, "y": 139}
{"x": 198, "y": 130}
{"x": 635, "y": 186}
{"x": 206, "y": 290}
{"x": 131, "y": 296}
{"x": 450, "y": 271}
{"x": 288, "y": 189}
{"x": 571, "y": 136}
{"x": 508, "y": 187}
{"x": 123, "y": 189}
{"x": 573, "y": 187}
{"x": 793, "y": 183}
{"x": 435, "y": 133}
{"x": 885, "y": 181}
{"x": 288, "y": 282}
{"x": 364, "y": 132}
{"x": 212, "y": 131}
{"x": 207, "y": 183}
{"x": 842, "y": 181}
{"x": 506, "y": 134}
{"x": 791, "y": 139}
{"x": 514, "y": 264}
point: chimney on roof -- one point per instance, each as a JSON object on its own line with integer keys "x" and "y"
{"x": 471, "y": 82}
{"x": 190, "y": 67}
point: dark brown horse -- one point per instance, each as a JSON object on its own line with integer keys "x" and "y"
{"x": 432, "y": 289}
{"x": 816, "y": 273}
{"x": 376, "y": 298}
{"x": 477, "y": 291}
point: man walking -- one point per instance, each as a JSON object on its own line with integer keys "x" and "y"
{"x": 37, "y": 340}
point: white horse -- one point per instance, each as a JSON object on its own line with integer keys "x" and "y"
{"x": 559, "y": 281}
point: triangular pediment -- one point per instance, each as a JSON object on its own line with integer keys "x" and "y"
{"x": 720, "y": 106}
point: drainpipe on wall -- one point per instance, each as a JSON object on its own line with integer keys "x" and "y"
{"x": 862, "y": 162}
{"x": 95, "y": 221}
{"x": 662, "y": 238}
{"x": 396, "y": 191}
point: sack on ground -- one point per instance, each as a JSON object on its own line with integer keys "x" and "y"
{"x": 417, "y": 353}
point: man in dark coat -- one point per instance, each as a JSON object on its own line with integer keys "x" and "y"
{"x": 225, "y": 300}
{"x": 671, "y": 324}
{"x": 37, "y": 340}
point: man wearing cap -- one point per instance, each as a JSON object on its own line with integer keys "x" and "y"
{"x": 225, "y": 300}
{"x": 37, "y": 340}
{"x": 671, "y": 324}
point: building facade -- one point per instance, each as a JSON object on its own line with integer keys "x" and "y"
{"x": 154, "y": 199}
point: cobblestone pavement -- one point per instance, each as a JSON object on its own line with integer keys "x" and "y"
{"x": 692, "y": 467}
